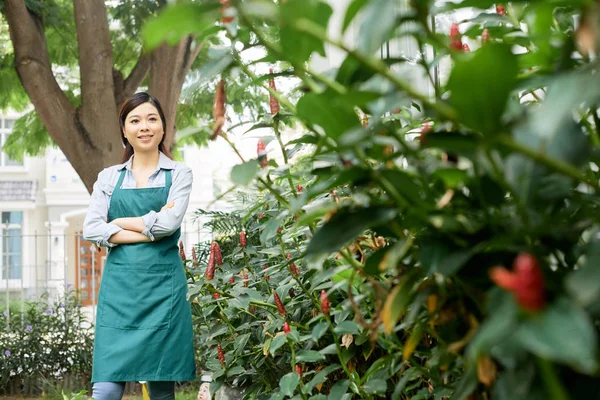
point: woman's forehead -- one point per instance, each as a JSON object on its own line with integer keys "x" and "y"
{"x": 143, "y": 110}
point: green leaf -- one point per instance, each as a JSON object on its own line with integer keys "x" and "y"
{"x": 439, "y": 256}
{"x": 347, "y": 327}
{"x": 321, "y": 376}
{"x": 177, "y": 21}
{"x": 297, "y": 45}
{"x": 378, "y": 22}
{"x": 584, "y": 284}
{"x": 480, "y": 84}
{"x": 405, "y": 185}
{"x": 237, "y": 370}
{"x": 323, "y": 110}
{"x": 243, "y": 174}
{"x": 345, "y": 225}
{"x": 374, "y": 386}
{"x": 562, "y": 333}
{"x": 351, "y": 12}
{"x": 288, "y": 383}
{"x": 453, "y": 178}
{"x": 240, "y": 343}
{"x": 319, "y": 330}
{"x": 339, "y": 389}
{"x": 277, "y": 342}
{"x": 466, "y": 385}
{"x": 309, "y": 356}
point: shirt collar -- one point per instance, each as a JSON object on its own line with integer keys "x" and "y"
{"x": 164, "y": 162}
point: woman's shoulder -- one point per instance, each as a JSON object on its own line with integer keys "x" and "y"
{"x": 107, "y": 178}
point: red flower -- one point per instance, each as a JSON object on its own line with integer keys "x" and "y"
{"x": 526, "y": 282}
{"x": 210, "y": 267}
{"x": 425, "y": 129}
{"x": 232, "y": 280}
{"x": 182, "y": 252}
{"x": 279, "y": 304}
{"x": 273, "y": 102}
{"x": 455, "y": 41}
{"x": 286, "y": 328}
{"x": 261, "y": 216}
{"x": 485, "y": 35}
{"x": 245, "y": 279}
{"x": 194, "y": 257}
{"x": 299, "y": 371}
{"x": 261, "y": 152}
{"x": 216, "y": 295}
{"x": 226, "y": 5}
{"x": 299, "y": 188}
{"x": 267, "y": 277}
{"x": 325, "y": 306}
{"x": 500, "y": 9}
{"x": 216, "y": 251}
{"x": 466, "y": 48}
{"x": 243, "y": 239}
{"x": 221, "y": 354}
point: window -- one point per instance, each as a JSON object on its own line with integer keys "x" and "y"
{"x": 6, "y": 125}
{"x": 11, "y": 244}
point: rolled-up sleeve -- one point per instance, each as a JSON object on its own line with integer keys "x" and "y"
{"x": 165, "y": 223}
{"x": 96, "y": 229}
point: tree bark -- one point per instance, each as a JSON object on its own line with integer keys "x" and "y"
{"x": 168, "y": 68}
{"x": 89, "y": 135}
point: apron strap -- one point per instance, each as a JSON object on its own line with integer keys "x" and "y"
{"x": 120, "y": 181}
{"x": 168, "y": 179}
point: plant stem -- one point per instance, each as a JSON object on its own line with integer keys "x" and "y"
{"x": 554, "y": 388}
{"x": 543, "y": 159}
{"x": 376, "y": 65}
{"x": 283, "y": 152}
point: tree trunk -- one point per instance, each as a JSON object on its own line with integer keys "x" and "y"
{"x": 89, "y": 135}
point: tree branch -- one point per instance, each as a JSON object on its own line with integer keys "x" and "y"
{"x": 35, "y": 70}
{"x": 95, "y": 58}
{"x": 137, "y": 75}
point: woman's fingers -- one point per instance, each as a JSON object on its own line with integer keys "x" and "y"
{"x": 167, "y": 206}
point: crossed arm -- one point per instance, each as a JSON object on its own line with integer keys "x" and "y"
{"x": 132, "y": 229}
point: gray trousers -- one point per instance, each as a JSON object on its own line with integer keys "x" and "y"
{"x": 114, "y": 390}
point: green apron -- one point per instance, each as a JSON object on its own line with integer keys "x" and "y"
{"x": 144, "y": 322}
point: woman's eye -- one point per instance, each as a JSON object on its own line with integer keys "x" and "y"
{"x": 133, "y": 121}
{"x": 152, "y": 119}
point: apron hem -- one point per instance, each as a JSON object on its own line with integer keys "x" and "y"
{"x": 138, "y": 378}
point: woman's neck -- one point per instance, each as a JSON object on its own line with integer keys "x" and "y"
{"x": 145, "y": 160}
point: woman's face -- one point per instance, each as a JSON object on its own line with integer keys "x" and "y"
{"x": 143, "y": 128}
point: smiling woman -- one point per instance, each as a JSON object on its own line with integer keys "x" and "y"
{"x": 144, "y": 325}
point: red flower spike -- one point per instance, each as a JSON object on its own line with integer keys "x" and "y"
{"x": 216, "y": 250}
{"x": 210, "y": 267}
{"x": 243, "y": 239}
{"x": 194, "y": 257}
{"x": 261, "y": 216}
{"x": 455, "y": 41}
{"x": 245, "y": 280}
{"x": 232, "y": 280}
{"x": 216, "y": 296}
{"x": 267, "y": 277}
{"x": 299, "y": 188}
{"x": 299, "y": 371}
{"x": 182, "y": 252}
{"x": 526, "y": 282}
{"x": 466, "y": 48}
{"x": 226, "y": 4}
{"x": 221, "y": 354}
{"x": 279, "y": 304}
{"x": 279, "y": 230}
{"x": 289, "y": 256}
{"x": 485, "y": 35}
{"x": 261, "y": 153}
{"x": 500, "y": 9}
{"x": 293, "y": 269}
{"x": 273, "y": 102}
{"x": 286, "y": 328}
{"x": 325, "y": 306}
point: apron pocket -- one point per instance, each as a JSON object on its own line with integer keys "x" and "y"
{"x": 136, "y": 296}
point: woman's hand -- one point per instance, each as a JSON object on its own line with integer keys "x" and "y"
{"x": 167, "y": 206}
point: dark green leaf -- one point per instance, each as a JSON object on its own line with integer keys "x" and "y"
{"x": 584, "y": 284}
{"x": 351, "y": 12}
{"x": 466, "y": 385}
{"x": 345, "y": 225}
{"x": 323, "y": 110}
{"x": 319, "y": 330}
{"x": 347, "y": 327}
{"x": 374, "y": 386}
{"x": 480, "y": 84}
{"x": 379, "y": 20}
{"x": 563, "y": 333}
{"x": 321, "y": 376}
{"x": 339, "y": 389}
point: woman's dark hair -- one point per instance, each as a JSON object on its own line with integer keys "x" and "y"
{"x": 134, "y": 101}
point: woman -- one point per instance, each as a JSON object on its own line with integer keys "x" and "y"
{"x": 144, "y": 324}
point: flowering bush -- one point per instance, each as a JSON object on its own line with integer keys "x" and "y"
{"x": 444, "y": 243}
{"x": 46, "y": 343}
